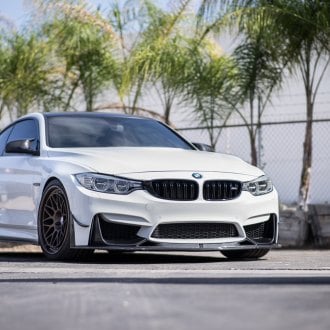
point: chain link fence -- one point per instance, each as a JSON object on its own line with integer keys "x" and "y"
{"x": 281, "y": 149}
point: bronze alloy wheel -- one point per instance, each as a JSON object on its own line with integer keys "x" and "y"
{"x": 54, "y": 219}
{"x": 54, "y": 224}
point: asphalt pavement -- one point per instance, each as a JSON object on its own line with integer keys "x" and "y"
{"x": 287, "y": 289}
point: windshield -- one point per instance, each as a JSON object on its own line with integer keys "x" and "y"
{"x": 87, "y": 131}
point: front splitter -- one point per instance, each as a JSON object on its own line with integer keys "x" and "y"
{"x": 182, "y": 247}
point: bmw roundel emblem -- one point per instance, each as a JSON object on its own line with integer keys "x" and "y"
{"x": 197, "y": 175}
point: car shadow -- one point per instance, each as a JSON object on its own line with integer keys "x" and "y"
{"x": 121, "y": 258}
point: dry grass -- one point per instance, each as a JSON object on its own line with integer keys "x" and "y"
{"x": 15, "y": 247}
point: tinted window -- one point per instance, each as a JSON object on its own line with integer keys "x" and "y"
{"x": 25, "y": 130}
{"x": 3, "y": 139}
{"x": 81, "y": 132}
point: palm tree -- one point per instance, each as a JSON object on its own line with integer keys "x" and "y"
{"x": 257, "y": 56}
{"x": 210, "y": 87}
{"x": 129, "y": 19}
{"x": 161, "y": 54}
{"x": 260, "y": 73}
{"x": 259, "y": 68}
{"x": 23, "y": 73}
{"x": 305, "y": 29}
{"x": 84, "y": 48}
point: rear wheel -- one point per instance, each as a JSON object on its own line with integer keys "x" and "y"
{"x": 54, "y": 223}
{"x": 245, "y": 254}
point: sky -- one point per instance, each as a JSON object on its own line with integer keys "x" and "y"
{"x": 13, "y": 10}
{"x": 17, "y": 11}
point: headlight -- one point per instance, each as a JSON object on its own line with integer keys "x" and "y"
{"x": 107, "y": 183}
{"x": 259, "y": 186}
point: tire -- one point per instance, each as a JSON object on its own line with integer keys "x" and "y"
{"x": 245, "y": 254}
{"x": 54, "y": 223}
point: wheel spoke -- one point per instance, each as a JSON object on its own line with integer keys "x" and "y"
{"x": 48, "y": 221}
{"x": 50, "y": 238}
{"x": 63, "y": 229}
{"x": 54, "y": 201}
{"x": 63, "y": 207}
{"x": 47, "y": 230}
{"x": 49, "y": 210}
{"x": 49, "y": 234}
{"x": 51, "y": 204}
{"x": 58, "y": 198}
{"x": 56, "y": 240}
{"x": 61, "y": 235}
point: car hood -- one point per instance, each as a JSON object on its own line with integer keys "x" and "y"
{"x": 130, "y": 160}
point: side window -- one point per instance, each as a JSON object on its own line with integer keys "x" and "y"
{"x": 3, "y": 139}
{"x": 25, "y": 130}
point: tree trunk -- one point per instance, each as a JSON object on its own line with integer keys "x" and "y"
{"x": 137, "y": 95}
{"x": 2, "y": 107}
{"x": 254, "y": 154}
{"x": 89, "y": 106}
{"x": 74, "y": 87}
{"x": 168, "y": 102}
{"x": 89, "y": 100}
{"x": 307, "y": 154}
{"x": 89, "y": 91}
{"x": 212, "y": 139}
{"x": 167, "y": 113}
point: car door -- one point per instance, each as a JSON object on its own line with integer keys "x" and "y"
{"x": 18, "y": 172}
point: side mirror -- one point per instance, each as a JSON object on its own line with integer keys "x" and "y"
{"x": 22, "y": 147}
{"x": 203, "y": 147}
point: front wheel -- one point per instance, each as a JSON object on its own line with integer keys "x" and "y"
{"x": 54, "y": 222}
{"x": 245, "y": 254}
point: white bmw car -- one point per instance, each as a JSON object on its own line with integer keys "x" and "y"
{"x": 76, "y": 182}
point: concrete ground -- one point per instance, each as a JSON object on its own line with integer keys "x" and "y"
{"x": 287, "y": 289}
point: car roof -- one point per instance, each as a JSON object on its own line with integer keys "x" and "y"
{"x": 92, "y": 114}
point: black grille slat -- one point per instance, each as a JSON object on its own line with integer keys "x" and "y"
{"x": 180, "y": 190}
{"x": 193, "y": 191}
{"x": 194, "y": 231}
{"x": 219, "y": 190}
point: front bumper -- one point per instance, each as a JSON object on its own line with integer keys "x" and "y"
{"x": 125, "y": 238}
{"x": 140, "y": 213}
